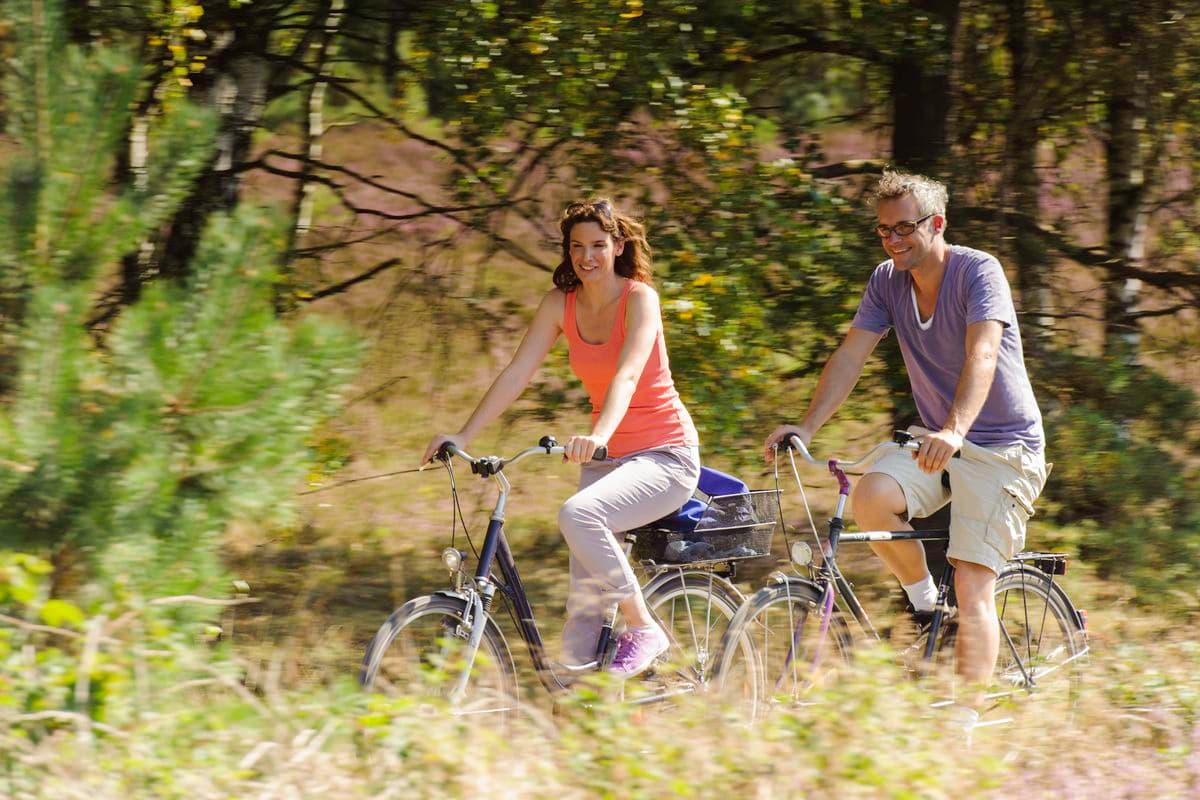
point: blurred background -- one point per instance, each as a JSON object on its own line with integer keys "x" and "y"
{"x": 254, "y": 248}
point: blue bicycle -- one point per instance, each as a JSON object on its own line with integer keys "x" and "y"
{"x": 451, "y": 644}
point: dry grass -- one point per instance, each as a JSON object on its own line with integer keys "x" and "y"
{"x": 1134, "y": 732}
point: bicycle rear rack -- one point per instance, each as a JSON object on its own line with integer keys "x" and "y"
{"x": 1049, "y": 563}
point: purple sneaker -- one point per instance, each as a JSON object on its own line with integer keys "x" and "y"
{"x": 636, "y": 649}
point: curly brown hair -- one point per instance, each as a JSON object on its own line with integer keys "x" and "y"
{"x": 634, "y": 260}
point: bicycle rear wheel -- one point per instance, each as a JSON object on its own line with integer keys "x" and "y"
{"x": 695, "y": 609}
{"x": 783, "y": 622}
{"x": 1041, "y": 640}
{"x": 422, "y": 649}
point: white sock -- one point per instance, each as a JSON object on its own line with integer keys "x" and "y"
{"x": 922, "y": 594}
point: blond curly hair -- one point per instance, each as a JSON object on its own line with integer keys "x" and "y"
{"x": 930, "y": 195}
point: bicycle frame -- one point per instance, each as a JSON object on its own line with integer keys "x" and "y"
{"x": 480, "y": 591}
{"x": 832, "y": 582}
{"x": 830, "y": 578}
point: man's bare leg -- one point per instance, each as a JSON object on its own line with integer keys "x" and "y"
{"x": 879, "y": 505}
{"x": 978, "y": 641}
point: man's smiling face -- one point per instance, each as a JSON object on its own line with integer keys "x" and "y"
{"x": 908, "y": 251}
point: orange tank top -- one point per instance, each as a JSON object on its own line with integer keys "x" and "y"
{"x": 656, "y": 416}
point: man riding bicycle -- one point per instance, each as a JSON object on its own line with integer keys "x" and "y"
{"x": 952, "y": 310}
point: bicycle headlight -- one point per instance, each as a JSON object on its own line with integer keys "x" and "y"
{"x": 801, "y": 554}
{"x": 452, "y": 559}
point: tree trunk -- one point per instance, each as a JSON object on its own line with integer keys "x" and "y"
{"x": 1126, "y": 182}
{"x": 922, "y": 92}
{"x": 1020, "y": 188}
{"x": 237, "y": 90}
{"x": 314, "y": 127}
{"x": 391, "y": 59}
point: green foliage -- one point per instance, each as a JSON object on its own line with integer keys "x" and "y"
{"x": 167, "y": 718}
{"x": 198, "y": 412}
{"x": 140, "y": 447}
{"x": 1124, "y": 440}
{"x": 760, "y": 281}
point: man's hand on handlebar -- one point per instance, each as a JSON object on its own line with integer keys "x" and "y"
{"x": 779, "y": 434}
{"x": 458, "y": 440}
{"x": 581, "y": 449}
{"x": 937, "y": 449}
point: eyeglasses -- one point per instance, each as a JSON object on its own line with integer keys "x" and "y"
{"x": 904, "y": 228}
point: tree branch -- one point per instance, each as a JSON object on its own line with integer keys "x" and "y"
{"x": 812, "y": 41}
{"x": 845, "y": 168}
{"x": 338, "y": 288}
{"x": 1087, "y": 256}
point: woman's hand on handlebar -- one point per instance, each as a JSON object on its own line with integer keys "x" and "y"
{"x": 580, "y": 449}
{"x": 779, "y": 434}
{"x": 457, "y": 439}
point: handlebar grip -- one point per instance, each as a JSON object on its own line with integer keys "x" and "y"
{"x": 445, "y": 451}
{"x": 911, "y": 443}
{"x": 601, "y": 454}
{"x": 787, "y": 443}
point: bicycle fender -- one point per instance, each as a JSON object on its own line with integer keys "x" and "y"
{"x": 662, "y": 579}
{"x": 452, "y": 594}
{"x": 1055, "y": 588}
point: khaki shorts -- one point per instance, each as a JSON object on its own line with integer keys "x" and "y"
{"x": 993, "y": 492}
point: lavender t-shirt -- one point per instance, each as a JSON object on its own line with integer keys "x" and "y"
{"x": 974, "y": 288}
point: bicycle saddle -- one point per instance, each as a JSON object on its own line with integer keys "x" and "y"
{"x": 713, "y": 483}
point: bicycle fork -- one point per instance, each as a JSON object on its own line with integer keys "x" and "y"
{"x": 479, "y": 598}
{"x": 478, "y": 622}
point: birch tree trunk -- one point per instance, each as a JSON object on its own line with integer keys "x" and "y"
{"x": 238, "y": 93}
{"x": 1125, "y": 178}
{"x": 314, "y": 128}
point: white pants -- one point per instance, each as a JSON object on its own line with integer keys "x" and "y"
{"x": 615, "y": 496}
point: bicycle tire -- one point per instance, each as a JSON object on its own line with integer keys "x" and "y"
{"x": 1041, "y": 638}
{"x": 418, "y": 651}
{"x": 782, "y": 621}
{"x": 695, "y": 608}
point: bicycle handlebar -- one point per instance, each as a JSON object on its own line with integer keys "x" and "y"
{"x": 485, "y": 466}
{"x": 901, "y": 439}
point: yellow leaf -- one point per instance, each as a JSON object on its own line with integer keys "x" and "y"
{"x": 58, "y": 613}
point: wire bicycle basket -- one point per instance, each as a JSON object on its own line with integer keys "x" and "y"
{"x": 728, "y": 527}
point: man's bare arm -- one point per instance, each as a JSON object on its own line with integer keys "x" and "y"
{"x": 838, "y": 378}
{"x": 974, "y": 383}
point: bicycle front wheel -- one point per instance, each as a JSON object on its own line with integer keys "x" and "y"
{"x": 695, "y": 609}
{"x": 423, "y": 649}
{"x": 797, "y": 647}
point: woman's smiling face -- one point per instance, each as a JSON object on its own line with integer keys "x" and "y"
{"x": 593, "y": 250}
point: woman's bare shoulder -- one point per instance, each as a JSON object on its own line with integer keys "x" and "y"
{"x": 643, "y": 293}
{"x": 553, "y": 304}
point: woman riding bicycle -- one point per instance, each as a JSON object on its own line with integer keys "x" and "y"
{"x": 603, "y": 303}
